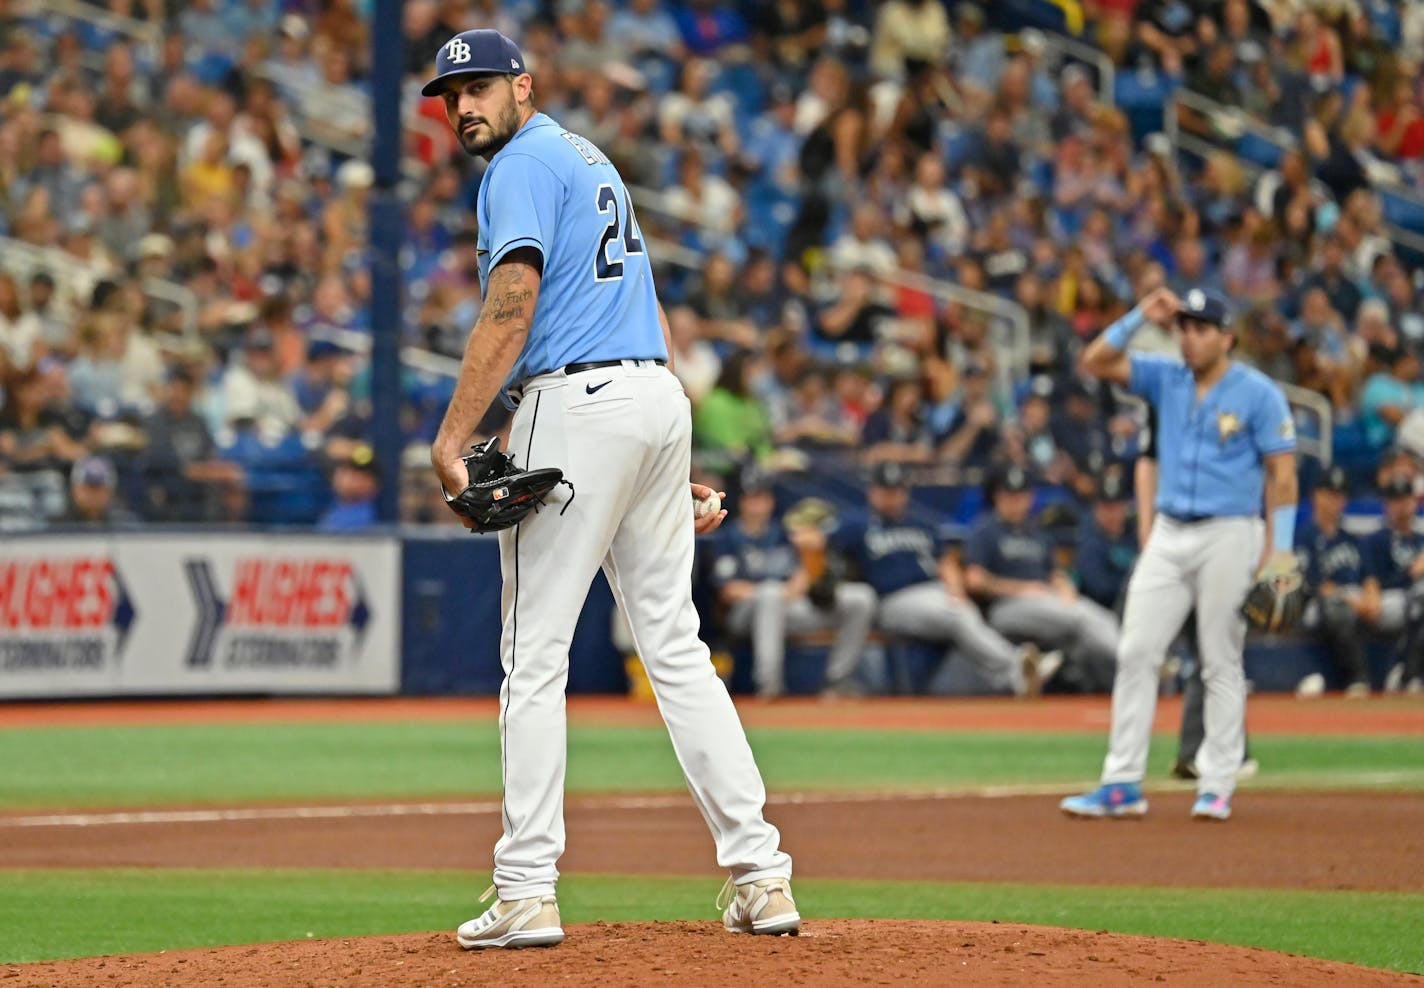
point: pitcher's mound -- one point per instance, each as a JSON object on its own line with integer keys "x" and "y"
{"x": 703, "y": 955}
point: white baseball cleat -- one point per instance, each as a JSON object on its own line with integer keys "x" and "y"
{"x": 514, "y": 923}
{"x": 765, "y": 906}
{"x": 1310, "y": 687}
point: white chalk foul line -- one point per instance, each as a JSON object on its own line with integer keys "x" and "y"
{"x": 354, "y": 811}
{"x": 1356, "y": 780}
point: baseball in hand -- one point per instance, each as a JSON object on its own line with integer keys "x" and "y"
{"x": 709, "y": 506}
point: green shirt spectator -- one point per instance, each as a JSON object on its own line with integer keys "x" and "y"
{"x": 730, "y": 423}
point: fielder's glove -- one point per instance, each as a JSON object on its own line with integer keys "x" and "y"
{"x": 500, "y": 494}
{"x": 1276, "y": 600}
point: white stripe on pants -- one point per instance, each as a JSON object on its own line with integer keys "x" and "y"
{"x": 627, "y": 449}
{"x": 1211, "y": 563}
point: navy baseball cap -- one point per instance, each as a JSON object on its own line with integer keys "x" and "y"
{"x": 754, "y": 479}
{"x": 890, "y": 473}
{"x": 1112, "y": 488}
{"x": 93, "y": 471}
{"x": 1010, "y": 480}
{"x": 1206, "y": 306}
{"x": 1335, "y": 479}
{"x": 479, "y": 52}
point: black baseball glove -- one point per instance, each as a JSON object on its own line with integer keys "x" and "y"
{"x": 1276, "y": 600}
{"x": 500, "y": 494}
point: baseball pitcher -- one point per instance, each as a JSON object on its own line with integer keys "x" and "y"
{"x": 572, "y": 332}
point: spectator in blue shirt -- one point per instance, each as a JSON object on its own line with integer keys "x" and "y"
{"x": 356, "y": 483}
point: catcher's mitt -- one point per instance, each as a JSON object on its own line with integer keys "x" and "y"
{"x": 1276, "y": 600}
{"x": 500, "y": 494}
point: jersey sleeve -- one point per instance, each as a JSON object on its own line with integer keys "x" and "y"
{"x": 1147, "y": 372}
{"x": 979, "y": 546}
{"x": 1273, "y": 427}
{"x": 523, "y": 204}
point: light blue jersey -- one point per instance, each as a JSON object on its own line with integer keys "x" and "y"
{"x": 1211, "y": 454}
{"x": 554, "y": 191}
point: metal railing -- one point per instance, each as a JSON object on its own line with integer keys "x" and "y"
{"x": 1010, "y": 314}
{"x": 24, "y": 259}
{"x": 426, "y": 361}
{"x": 1231, "y": 120}
{"x": 144, "y": 31}
{"x": 1064, "y": 47}
{"x": 1322, "y": 447}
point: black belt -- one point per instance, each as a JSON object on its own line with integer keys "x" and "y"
{"x": 1188, "y": 519}
{"x": 599, "y": 364}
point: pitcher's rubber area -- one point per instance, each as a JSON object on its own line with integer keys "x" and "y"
{"x": 703, "y": 955}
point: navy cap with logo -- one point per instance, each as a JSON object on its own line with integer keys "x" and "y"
{"x": 1206, "y": 306}
{"x": 1112, "y": 488}
{"x": 1335, "y": 479}
{"x": 756, "y": 480}
{"x": 1009, "y": 480}
{"x": 890, "y": 474}
{"x": 479, "y": 52}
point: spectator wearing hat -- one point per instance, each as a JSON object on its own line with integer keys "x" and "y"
{"x": 356, "y": 483}
{"x": 93, "y": 498}
{"x": 972, "y": 436}
{"x": 322, "y": 386}
{"x": 182, "y": 474}
{"x": 980, "y": 55}
{"x": 1333, "y": 566}
{"x": 1107, "y": 544}
{"x": 763, "y": 580}
{"x": 1009, "y": 566}
{"x": 922, "y": 589}
{"x": 254, "y": 393}
{"x": 1394, "y": 584}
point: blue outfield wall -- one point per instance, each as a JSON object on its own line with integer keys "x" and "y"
{"x": 450, "y": 589}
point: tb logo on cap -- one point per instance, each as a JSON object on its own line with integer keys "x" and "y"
{"x": 457, "y": 51}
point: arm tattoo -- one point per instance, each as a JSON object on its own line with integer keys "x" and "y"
{"x": 510, "y": 305}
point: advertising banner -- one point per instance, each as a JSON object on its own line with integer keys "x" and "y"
{"x": 184, "y": 614}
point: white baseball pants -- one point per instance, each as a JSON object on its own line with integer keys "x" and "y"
{"x": 626, "y": 447}
{"x": 1213, "y": 564}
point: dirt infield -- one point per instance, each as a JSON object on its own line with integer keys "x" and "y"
{"x": 1276, "y": 840}
{"x": 701, "y": 955}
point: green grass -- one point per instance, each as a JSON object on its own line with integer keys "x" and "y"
{"x": 205, "y": 764}
{"x": 52, "y": 914}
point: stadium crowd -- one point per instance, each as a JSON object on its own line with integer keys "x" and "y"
{"x": 850, "y": 205}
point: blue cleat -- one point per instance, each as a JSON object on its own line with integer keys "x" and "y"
{"x": 1118, "y": 800}
{"x": 1212, "y": 807}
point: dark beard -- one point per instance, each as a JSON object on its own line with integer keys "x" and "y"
{"x": 501, "y": 129}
